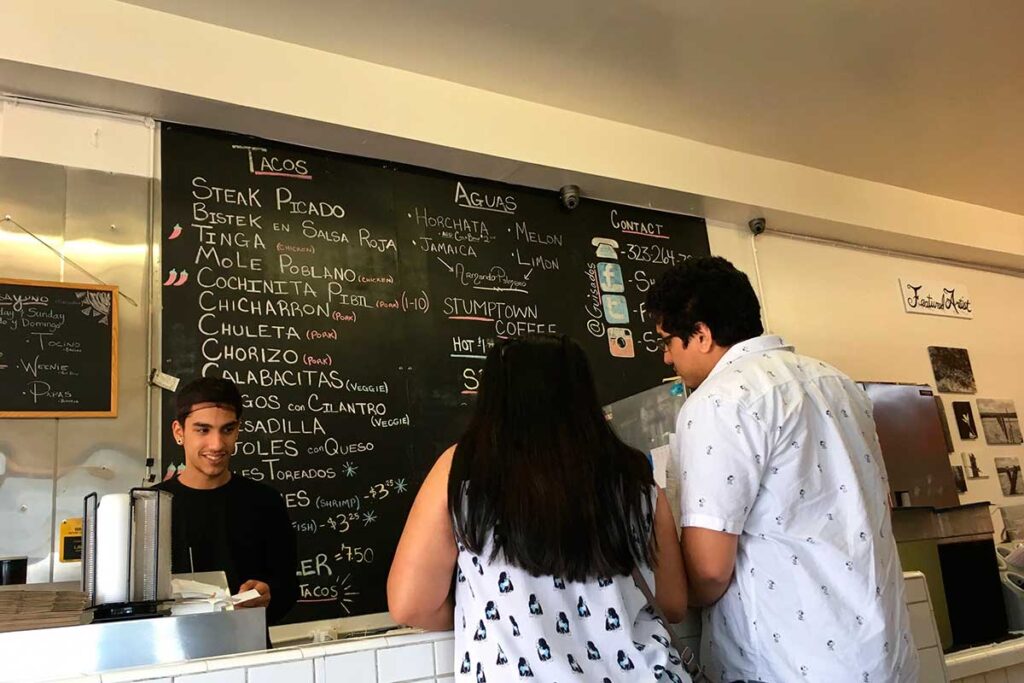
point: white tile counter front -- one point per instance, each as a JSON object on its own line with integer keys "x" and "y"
{"x": 1000, "y": 663}
{"x": 429, "y": 658}
{"x": 419, "y": 657}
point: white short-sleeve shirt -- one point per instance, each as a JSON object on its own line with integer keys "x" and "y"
{"x": 781, "y": 450}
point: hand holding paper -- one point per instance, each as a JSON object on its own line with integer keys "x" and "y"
{"x": 245, "y": 597}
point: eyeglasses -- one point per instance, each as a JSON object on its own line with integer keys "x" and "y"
{"x": 664, "y": 342}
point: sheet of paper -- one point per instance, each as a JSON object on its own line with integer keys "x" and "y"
{"x": 187, "y": 589}
{"x": 672, "y": 479}
{"x": 179, "y": 609}
{"x": 660, "y": 457}
{"x": 245, "y": 596}
{"x": 164, "y": 381}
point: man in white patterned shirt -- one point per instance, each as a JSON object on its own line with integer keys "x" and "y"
{"x": 785, "y": 522}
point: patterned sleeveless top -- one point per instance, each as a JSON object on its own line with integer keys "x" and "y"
{"x": 511, "y": 626}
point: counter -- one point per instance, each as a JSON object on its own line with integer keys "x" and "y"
{"x": 406, "y": 656}
{"x": 410, "y": 656}
{"x": 1001, "y": 662}
{"x": 50, "y": 653}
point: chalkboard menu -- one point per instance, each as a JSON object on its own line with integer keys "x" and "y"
{"x": 354, "y": 301}
{"x": 58, "y": 349}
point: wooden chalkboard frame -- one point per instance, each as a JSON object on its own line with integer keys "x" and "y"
{"x": 81, "y": 286}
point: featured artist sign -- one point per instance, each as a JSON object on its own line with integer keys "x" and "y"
{"x": 931, "y": 297}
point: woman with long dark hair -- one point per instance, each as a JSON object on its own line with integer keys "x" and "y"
{"x": 542, "y": 513}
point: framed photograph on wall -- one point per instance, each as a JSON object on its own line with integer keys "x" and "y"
{"x": 971, "y": 468}
{"x": 999, "y": 421}
{"x": 952, "y": 369}
{"x": 958, "y": 477}
{"x": 1013, "y": 521}
{"x": 965, "y": 420}
{"x": 1010, "y": 482}
{"x": 944, "y": 421}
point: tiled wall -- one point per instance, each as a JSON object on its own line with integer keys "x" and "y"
{"x": 999, "y": 663}
{"x": 409, "y": 658}
{"x": 1014, "y": 674}
{"x": 421, "y": 657}
{"x": 926, "y": 634}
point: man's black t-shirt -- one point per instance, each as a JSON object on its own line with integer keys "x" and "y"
{"x": 241, "y": 528}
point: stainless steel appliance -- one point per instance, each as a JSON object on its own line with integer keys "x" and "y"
{"x": 951, "y": 544}
{"x": 913, "y": 444}
{"x": 126, "y": 558}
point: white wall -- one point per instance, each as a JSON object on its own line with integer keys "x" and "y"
{"x": 120, "y": 56}
{"x": 80, "y": 181}
{"x": 76, "y": 137}
{"x": 839, "y": 304}
{"x": 844, "y": 306}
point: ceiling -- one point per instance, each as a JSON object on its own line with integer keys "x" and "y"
{"x": 920, "y": 94}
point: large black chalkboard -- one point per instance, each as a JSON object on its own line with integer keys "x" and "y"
{"x": 353, "y": 300}
{"x": 58, "y": 349}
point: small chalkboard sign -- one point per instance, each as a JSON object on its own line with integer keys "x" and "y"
{"x": 58, "y": 349}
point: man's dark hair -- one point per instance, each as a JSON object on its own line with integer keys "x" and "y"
{"x": 707, "y": 290}
{"x": 221, "y": 392}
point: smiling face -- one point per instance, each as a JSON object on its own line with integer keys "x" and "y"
{"x": 208, "y": 437}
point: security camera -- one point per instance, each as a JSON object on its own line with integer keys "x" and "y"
{"x": 757, "y": 225}
{"x": 570, "y": 196}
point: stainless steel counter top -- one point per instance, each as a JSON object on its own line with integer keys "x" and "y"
{"x": 74, "y": 650}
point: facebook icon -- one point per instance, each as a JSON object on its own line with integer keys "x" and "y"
{"x": 610, "y": 277}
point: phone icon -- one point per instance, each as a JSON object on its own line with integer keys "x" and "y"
{"x": 620, "y": 342}
{"x": 605, "y": 247}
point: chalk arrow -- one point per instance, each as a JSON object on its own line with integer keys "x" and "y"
{"x": 171, "y": 278}
{"x": 450, "y": 269}
{"x": 528, "y": 273}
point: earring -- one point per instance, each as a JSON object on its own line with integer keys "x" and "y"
{"x": 179, "y": 442}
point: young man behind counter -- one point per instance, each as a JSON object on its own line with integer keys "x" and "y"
{"x": 223, "y": 521}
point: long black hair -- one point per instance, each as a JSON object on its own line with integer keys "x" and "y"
{"x": 540, "y": 470}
